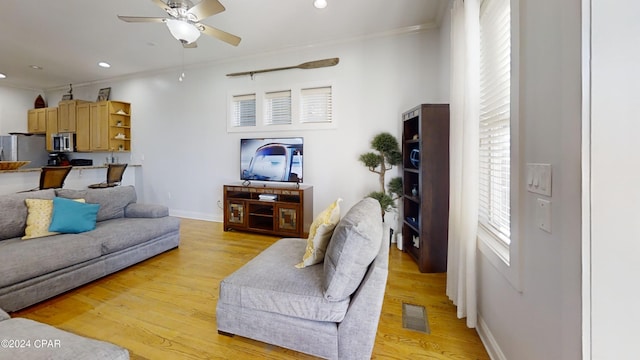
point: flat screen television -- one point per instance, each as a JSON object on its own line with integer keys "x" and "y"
{"x": 271, "y": 159}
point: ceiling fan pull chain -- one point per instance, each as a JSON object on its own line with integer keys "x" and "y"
{"x": 181, "y": 77}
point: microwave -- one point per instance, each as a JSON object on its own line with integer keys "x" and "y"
{"x": 63, "y": 142}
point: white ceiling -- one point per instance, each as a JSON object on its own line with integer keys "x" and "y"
{"x": 67, "y": 38}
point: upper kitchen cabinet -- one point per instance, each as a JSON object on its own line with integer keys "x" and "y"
{"x": 119, "y": 125}
{"x": 103, "y": 126}
{"x": 52, "y": 126}
{"x": 99, "y": 127}
{"x": 67, "y": 115}
{"x": 83, "y": 132}
{"x": 109, "y": 127}
{"x": 37, "y": 121}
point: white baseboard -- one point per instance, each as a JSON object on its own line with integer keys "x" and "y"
{"x": 490, "y": 343}
{"x": 195, "y": 215}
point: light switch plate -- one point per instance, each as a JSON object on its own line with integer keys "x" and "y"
{"x": 539, "y": 178}
{"x": 543, "y": 215}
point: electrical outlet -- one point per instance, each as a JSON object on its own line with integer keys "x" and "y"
{"x": 543, "y": 215}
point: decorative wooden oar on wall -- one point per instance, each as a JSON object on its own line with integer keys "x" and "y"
{"x": 307, "y": 65}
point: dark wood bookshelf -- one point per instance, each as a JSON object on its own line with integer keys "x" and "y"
{"x": 426, "y": 212}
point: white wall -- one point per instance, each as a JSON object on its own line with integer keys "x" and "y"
{"x": 615, "y": 175}
{"x": 179, "y": 128}
{"x": 543, "y": 321}
{"x": 14, "y": 103}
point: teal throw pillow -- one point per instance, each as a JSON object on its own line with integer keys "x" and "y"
{"x": 73, "y": 217}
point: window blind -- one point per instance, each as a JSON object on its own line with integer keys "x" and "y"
{"x": 278, "y": 108}
{"x": 244, "y": 110}
{"x": 495, "y": 117}
{"x": 317, "y": 105}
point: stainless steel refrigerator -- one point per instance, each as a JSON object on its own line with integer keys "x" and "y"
{"x": 22, "y": 147}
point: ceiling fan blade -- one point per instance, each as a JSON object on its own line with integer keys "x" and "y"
{"x": 192, "y": 45}
{"x": 205, "y": 8}
{"x": 140, "y": 19}
{"x": 219, "y": 34}
{"x": 161, "y": 4}
{"x": 307, "y": 65}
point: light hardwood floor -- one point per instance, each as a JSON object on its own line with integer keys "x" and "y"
{"x": 164, "y": 308}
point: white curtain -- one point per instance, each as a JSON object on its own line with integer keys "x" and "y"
{"x": 464, "y": 158}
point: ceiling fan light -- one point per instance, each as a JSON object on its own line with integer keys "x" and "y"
{"x": 183, "y": 31}
{"x": 320, "y": 4}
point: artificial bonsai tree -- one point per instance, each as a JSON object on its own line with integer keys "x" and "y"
{"x": 386, "y": 156}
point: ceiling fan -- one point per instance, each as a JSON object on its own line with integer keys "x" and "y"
{"x": 184, "y": 21}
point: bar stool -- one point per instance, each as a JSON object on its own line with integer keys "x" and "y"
{"x": 114, "y": 176}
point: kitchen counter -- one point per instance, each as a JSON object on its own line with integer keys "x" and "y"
{"x": 73, "y": 168}
{"x": 79, "y": 177}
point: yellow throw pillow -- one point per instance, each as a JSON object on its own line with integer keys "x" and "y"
{"x": 39, "y": 218}
{"x": 319, "y": 235}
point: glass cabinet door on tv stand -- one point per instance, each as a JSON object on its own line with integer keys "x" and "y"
{"x": 287, "y": 219}
{"x": 285, "y": 210}
{"x": 235, "y": 212}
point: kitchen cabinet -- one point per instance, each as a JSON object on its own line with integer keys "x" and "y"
{"x": 103, "y": 126}
{"x": 37, "y": 121}
{"x": 109, "y": 126}
{"x": 83, "y": 129}
{"x": 43, "y": 121}
{"x": 67, "y": 115}
{"x": 287, "y": 212}
{"x": 52, "y": 126}
{"x": 119, "y": 125}
{"x": 99, "y": 126}
{"x": 425, "y": 185}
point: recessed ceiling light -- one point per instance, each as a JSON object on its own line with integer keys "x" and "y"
{"x": 35, "y": 67}
{"x": 320, "y": 4}
{"x": 2, "y": 76}
{"x": 103, "y": 64}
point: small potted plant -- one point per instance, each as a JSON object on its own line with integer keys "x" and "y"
{"x": 387, "y": 154}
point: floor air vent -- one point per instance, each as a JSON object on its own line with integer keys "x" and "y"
{"x": 414, "y": 317}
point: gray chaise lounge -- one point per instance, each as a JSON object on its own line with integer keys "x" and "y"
{"x": 329, "y": 309}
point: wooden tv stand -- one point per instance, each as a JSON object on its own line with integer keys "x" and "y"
{"x": 289, "y": 213}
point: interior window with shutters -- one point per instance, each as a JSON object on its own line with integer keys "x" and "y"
{"x": 306, "y": 106}
{"x": 243, "y": 110}
{"x": 316, "y": 105}
{"x": 495, "y": 118}
{"x": 278, "y": 108}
